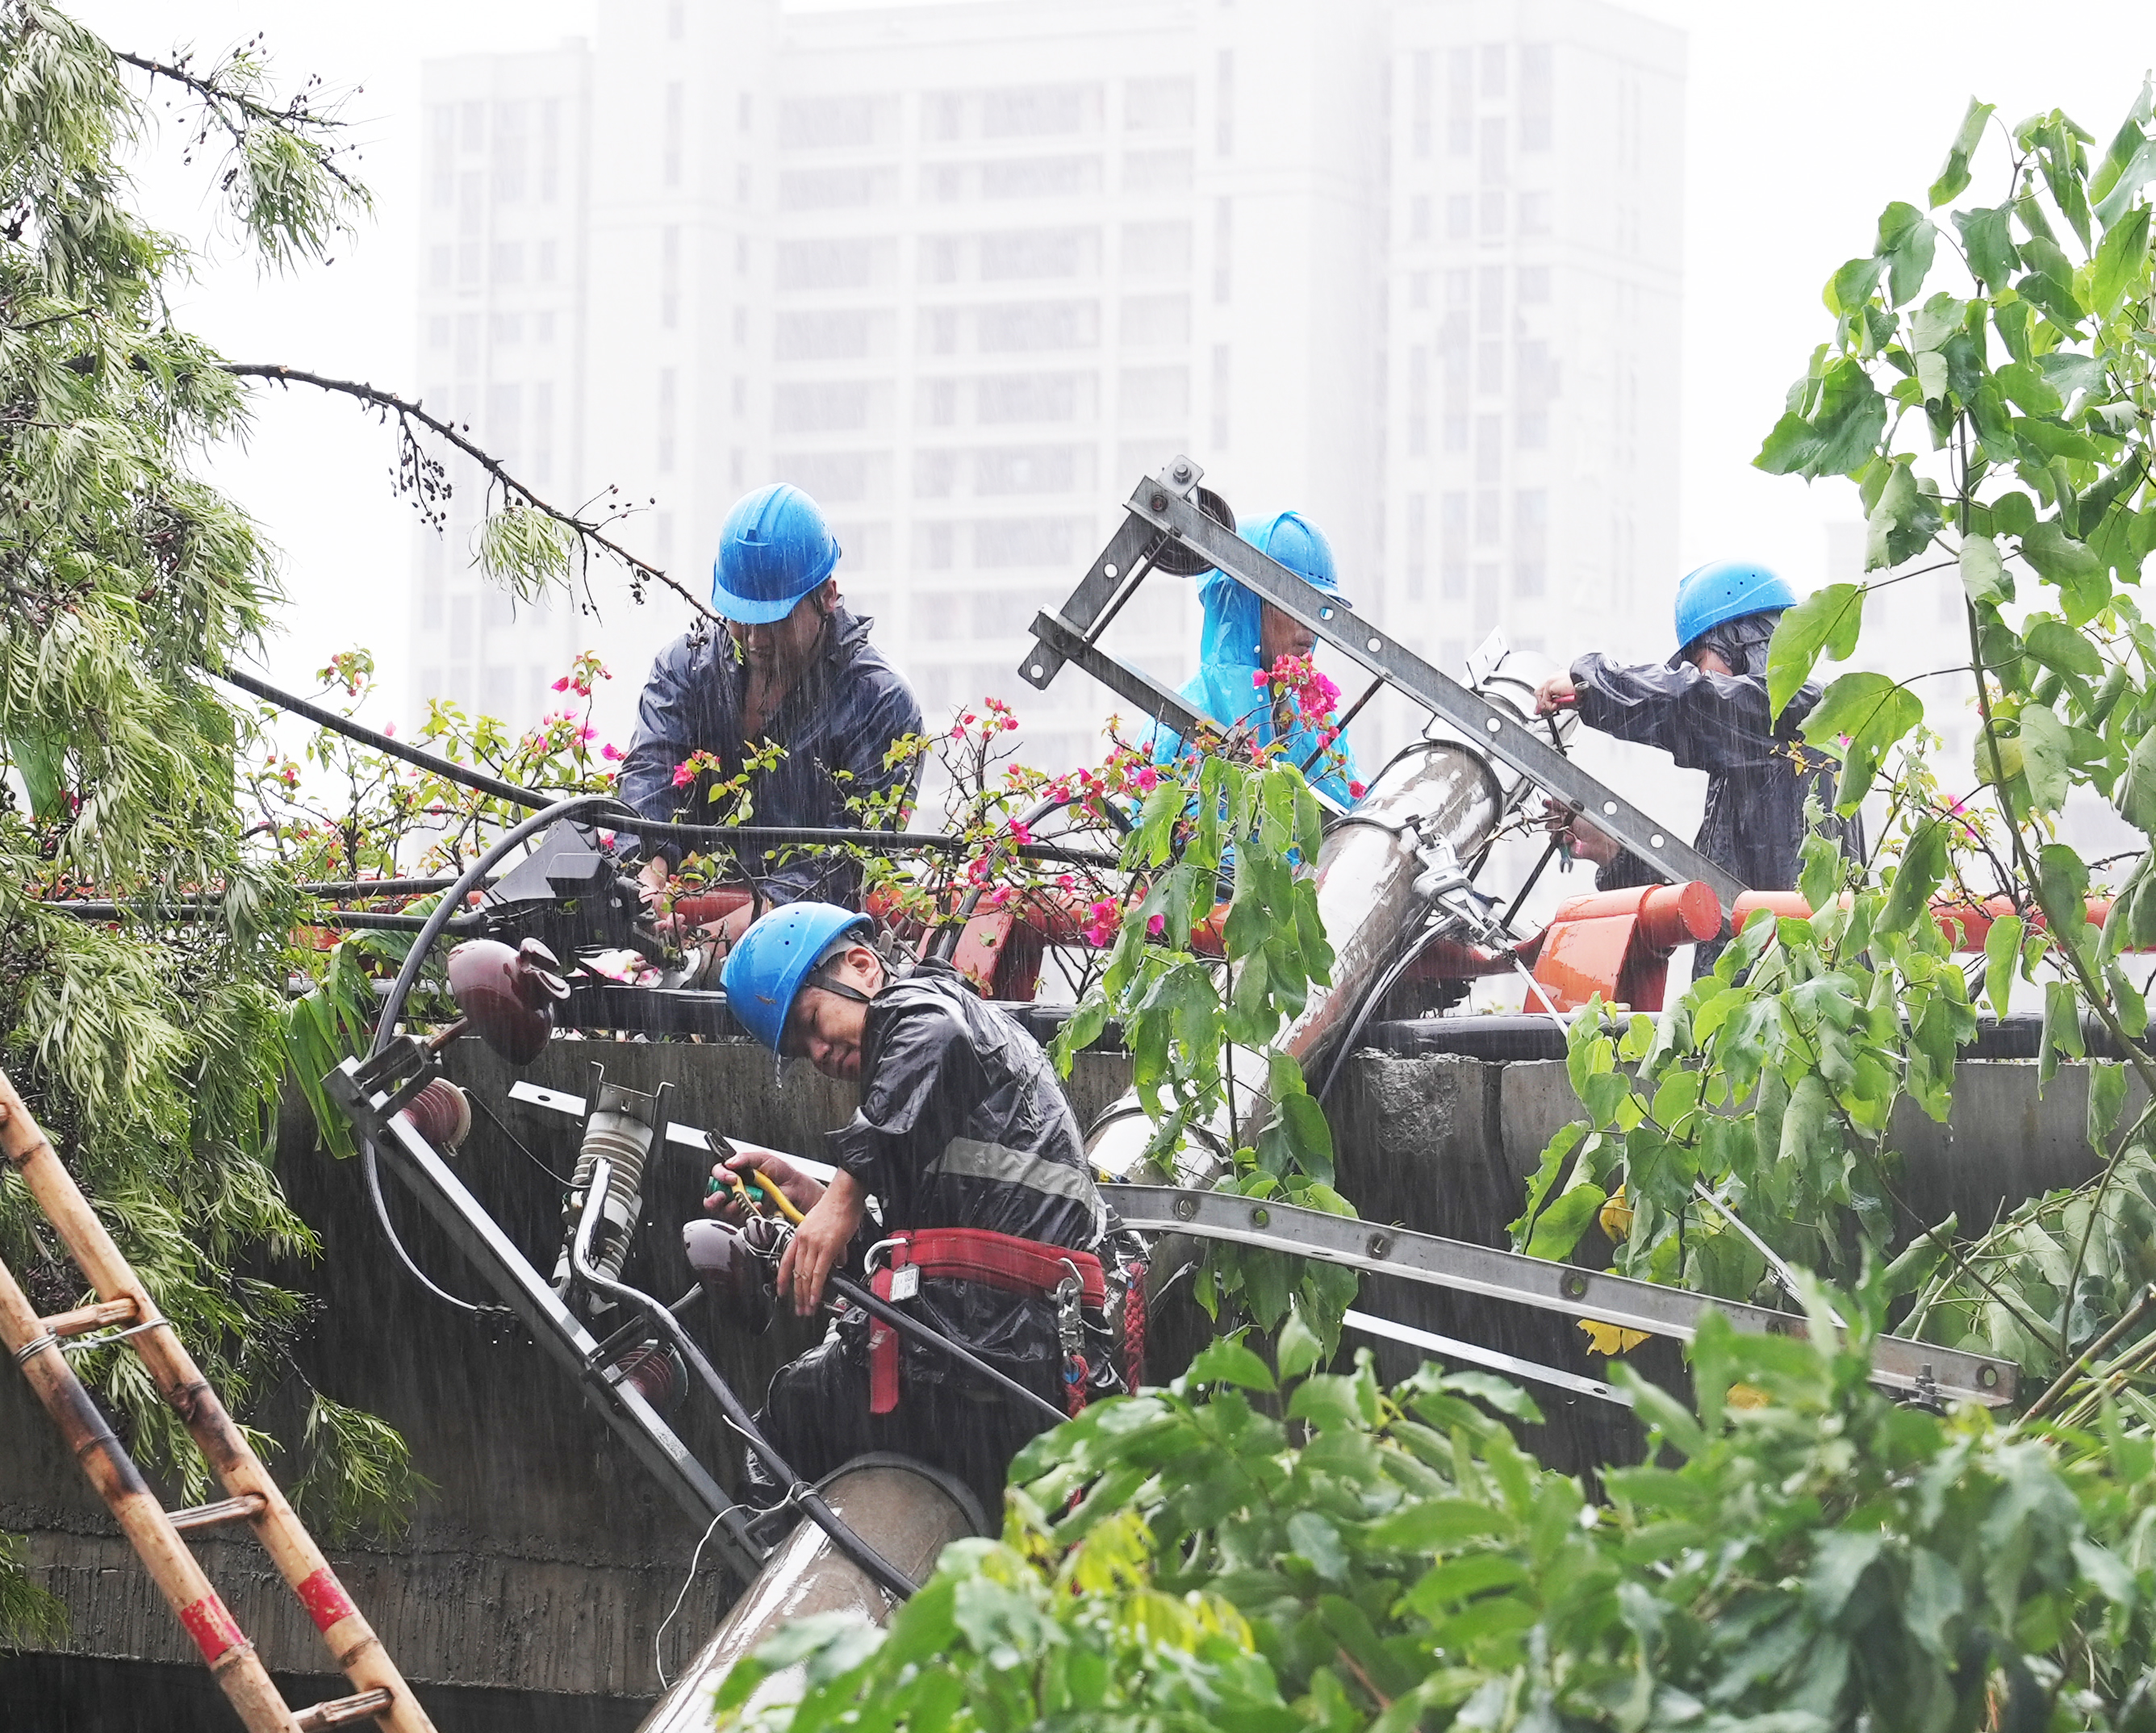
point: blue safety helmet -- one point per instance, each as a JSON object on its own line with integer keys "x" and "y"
{"x": 766, "y": 970}
{"x": 1298, "y": 545}
{"x": 1726, "y": 589}
{"x": 775, "y": 548}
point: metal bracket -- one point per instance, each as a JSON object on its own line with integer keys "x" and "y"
{"x": 1161, "y": 503}
{"x": 408, "y": 1154}
{"x": 1920, "y": 1368}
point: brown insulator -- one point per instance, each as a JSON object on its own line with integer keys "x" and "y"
{"x": 442, "y": 1114}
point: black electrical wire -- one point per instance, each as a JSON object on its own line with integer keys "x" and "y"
{"x": 408, "y": 976}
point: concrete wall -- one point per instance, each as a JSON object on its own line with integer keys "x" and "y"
{"x": 533, "y": 1578}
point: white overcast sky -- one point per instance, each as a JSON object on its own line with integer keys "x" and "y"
{"x": 1801, "y": 123}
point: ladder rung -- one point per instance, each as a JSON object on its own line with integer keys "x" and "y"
{"x": 343, "y": 1711}
{"x": 84, "y": 1318}
{"x": 243, "y": 1509}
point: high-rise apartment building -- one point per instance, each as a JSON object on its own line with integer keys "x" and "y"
{"x": 965, "y": 271}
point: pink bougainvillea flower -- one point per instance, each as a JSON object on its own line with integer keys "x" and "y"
{"x": 685, "y": 773}
{"x": 562, "y": 683}
{"x": 1156, "y": 926}
{"x": 1020, "y": 833}
{"x": 612, "y": 753}
{"x": 1259, "y": 677}
{"x": 1148, "y": 779}
{"x": 1356, "y": 791}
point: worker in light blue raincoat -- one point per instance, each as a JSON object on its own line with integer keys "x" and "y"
{"x": 1245, "y": 637}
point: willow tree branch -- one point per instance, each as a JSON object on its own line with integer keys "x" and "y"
{"x": 409, "y": 411}
{"x": 220, "y": 100}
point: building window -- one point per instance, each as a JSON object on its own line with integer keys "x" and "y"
{"x": 1455, "y": 431}
{"x": 1487, "y": 527}
{"x": 1533, "y": 433}
{"x": 670, "y": 148}
{"x": 676, "y": 20}
{"x": 1489, "y": 298}
{"x": 1492, "y": 166}
{"x": 542, "y": 432}
{"x": 745, "y": 117}
{"x": 1460, "y": 217}
{"x": 509, "y": 153}
{"x": 1417, "y": 401}
{"x": 1534, "y": 213}
{"x": 670, "y": 276}
{"x": 1419, "y": 218}
{"x": 1489, "y": 365}
{"x": 664, "y": 417}
{"x": 1224, "y": 103}
{"x": 1493, "y": 215}
{"x": 1489, "y": 447}
{"x": 474, "y": 119}
{"x": 438, "y": 332}
{"x": 1418, "y": 290}
{"x": 1493, "y": 70}
{"x": 1534, "y": 285}
{"x": 1418, "y": 549}
{"x": 1530, "y": 541}
{"x": 1224, "y": 248}
{"x": 1459, "y": 101}
{"x": 439, "y": 264}
{"x": 509, "y": 261}
{"x": 1537, "y": 96}
{"x": 1420, "y": 80}
{"x": 468, "y": 262}
{"x": 1220, "y": 374}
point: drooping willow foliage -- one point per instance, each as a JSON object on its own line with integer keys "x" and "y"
{"x": 149, "y": 1050}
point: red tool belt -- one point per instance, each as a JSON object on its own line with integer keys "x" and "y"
{"x": 1001, "y": 1261}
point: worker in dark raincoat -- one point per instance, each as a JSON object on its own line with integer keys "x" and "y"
{"x": 992, "y": 1230}
{"x": 794, "y": 669}
{"x": 1240, "y": 647}
{"x": 1706, "y": 707}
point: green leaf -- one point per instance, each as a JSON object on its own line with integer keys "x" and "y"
{"x": 1902, "y": 523}
{"x": 2002, "y": 948}
{"x": 42, "y": 761}
{"x": 2135, "y": 796}
{"x": 2029, "y": 387}
{"x": 1953, "y": 173}
{"x": 1923, "y": 866}
{"x": 2111, "y": 179}
{"x": 1227, "y": 1362}
{"x": 2056, "y": 644}
{"x": 1558, "y": 1229}
{"x": 1299, "y": 1347}
{"x": 1827, "y": 621}
{"x": 2046, "y": 749}
{"x": 1840, "y": 438}
{"x": 1874, "y": 712}
{"x": 1436, "y": 1526}
{"x": 1987, "y": 237}
{"x": 2058, "y": 559}
{"x": 1983, "y": 579}
{"x": 2107, "y": 1096}
{"x": 1907, "y": 238}
{"x": 2119, "y": 260}
{"x": 2062, "y": 1029}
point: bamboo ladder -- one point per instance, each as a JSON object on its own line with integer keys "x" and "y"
{"x": 124, "y": 1312}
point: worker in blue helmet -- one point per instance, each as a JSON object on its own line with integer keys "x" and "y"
{"x": 792, "y": 669}
{"x": 965, "y": 1139}
{"x": 1241, "y": 645}
{"x": 1706, "y": 707}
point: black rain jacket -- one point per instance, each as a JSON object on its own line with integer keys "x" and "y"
{"x": 962, "y": 1124}
{"x": 1759, "y": 772}
{"x": 837, "y": 726}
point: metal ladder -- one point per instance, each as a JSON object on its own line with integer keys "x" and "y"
{"x": 124, "y": 1312}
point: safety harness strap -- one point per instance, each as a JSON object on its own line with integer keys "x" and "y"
{"x": 1002, "y": 1261}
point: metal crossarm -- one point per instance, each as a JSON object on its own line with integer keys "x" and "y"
{"x": 1162, "y": 504}
{"x": 124, "y": 1313}
{"x": 374, "y": 1111}
{"x": 1920, "y": 1368}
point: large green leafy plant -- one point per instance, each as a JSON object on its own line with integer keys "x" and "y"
{"x": 1988, "y": 385}
{"x": 1818, "y": 1558}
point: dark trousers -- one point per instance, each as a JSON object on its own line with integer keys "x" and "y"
{"x": 816, "y": 1415}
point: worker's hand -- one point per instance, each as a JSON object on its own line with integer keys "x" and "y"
{"x": 803, "y": 1190}
{"x": 1557, "y": 693}
{"x": 820, "y": 1242}
{"x": 1591, "y": 843}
